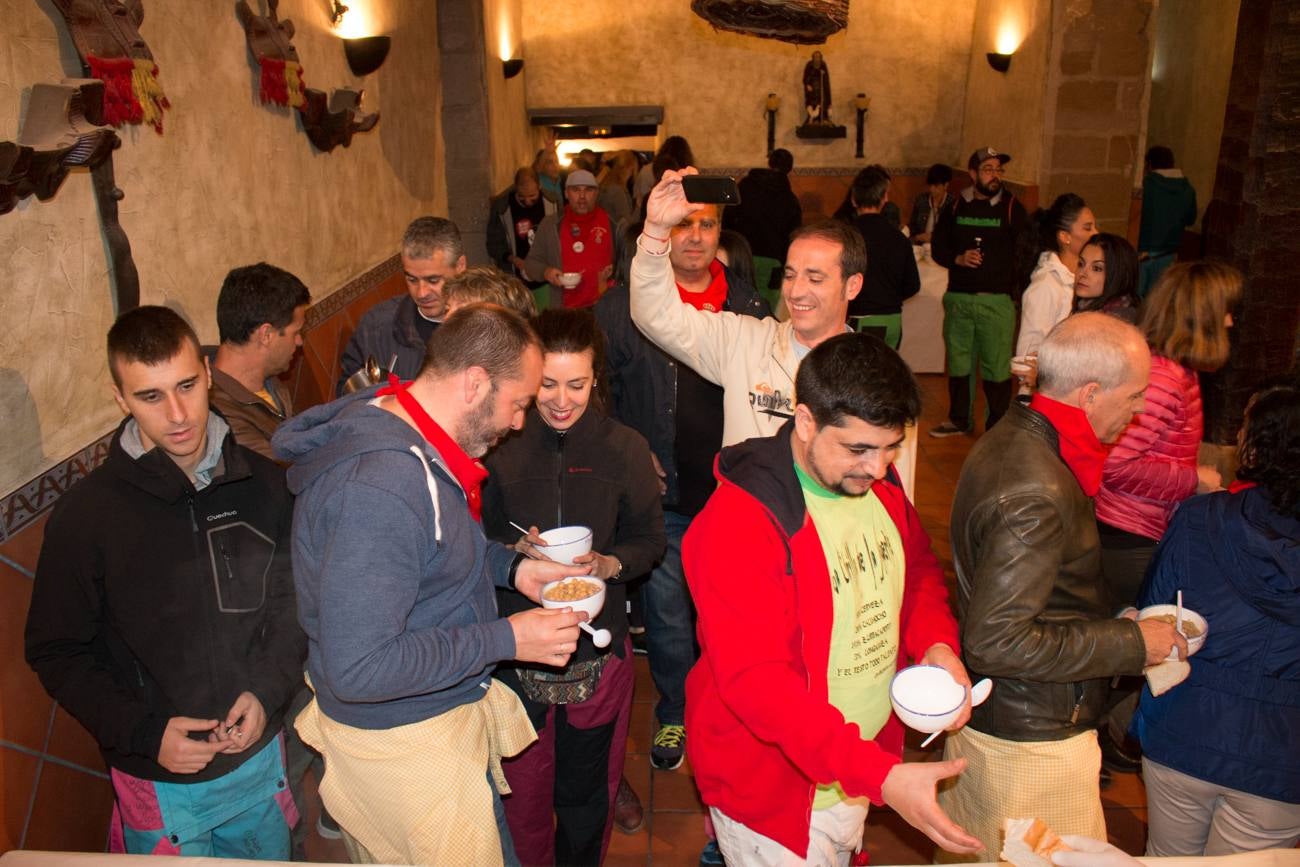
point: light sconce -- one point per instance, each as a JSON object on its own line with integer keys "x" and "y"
{"x": 862, "y": 103}
{"x": 367, "y": 53}
{"x": 769, "y": 108}
{"x": 337, "y": 13}
{"x": 1000, "y": 62}
{"x": 512, "y": 67}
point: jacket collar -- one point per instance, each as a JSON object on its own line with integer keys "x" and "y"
{"x": 763, "y": 467}
{"x": 404, "y": 326}
{"x": 157, "y": 474}
{"x": 237, "y": 392}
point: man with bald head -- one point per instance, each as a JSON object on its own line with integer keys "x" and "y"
{"x": 1033, "y": 608}
{"x": 513, "y": 220}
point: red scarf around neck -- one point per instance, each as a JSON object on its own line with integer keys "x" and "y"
{"x": 1082, "y": 452}
{"x": 468, "y": 472}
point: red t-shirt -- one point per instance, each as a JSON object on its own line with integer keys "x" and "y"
{"x": 713, "y": 298}
{"x": 587, "y": 246}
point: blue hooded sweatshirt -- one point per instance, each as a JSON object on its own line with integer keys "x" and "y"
{"x": 1235, "y": 721}
{"x": 394, "y": 576}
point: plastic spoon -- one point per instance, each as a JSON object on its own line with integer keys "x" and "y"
{"x": 978, "y": 694}
{"x": 599, "y": 637}
{"x": 1178, "y": 614}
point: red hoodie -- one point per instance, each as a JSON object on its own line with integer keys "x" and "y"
{"x": 763, "y": 731}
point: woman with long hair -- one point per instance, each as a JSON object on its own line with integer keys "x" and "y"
{"x": 614, "y": 196}
{"x": 1107, "y": 277}
{"x": 1222, "y": 749}
{"x": 1062, "y": 231}
{"x": 572, "y": 465}
{"x": 1154, "y": 467}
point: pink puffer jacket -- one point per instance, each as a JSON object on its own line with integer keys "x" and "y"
{"x": 1152, "y": 468}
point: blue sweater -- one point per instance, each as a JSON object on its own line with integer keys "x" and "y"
{"x": 1236, "y": 720}
{"x": 395, "y": 593}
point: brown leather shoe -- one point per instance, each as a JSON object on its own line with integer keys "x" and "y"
{"x": 628, "y": 814}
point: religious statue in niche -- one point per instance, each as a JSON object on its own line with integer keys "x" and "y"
{"x": 107, "y": 36}
{"x": 62, "y": 130}
{"x": 817, "y": 101}
{"x": 328, "y": 122}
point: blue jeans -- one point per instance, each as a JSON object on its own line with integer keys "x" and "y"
{"x": 670, "y": 624}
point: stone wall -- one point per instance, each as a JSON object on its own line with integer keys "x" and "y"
{"x": 910, "y": 58}
{"x": 1189, "y": 85}
{"x": 1096, "y": 102}
{"x": 510, "y": 137}
{"x": 230, "y": 182}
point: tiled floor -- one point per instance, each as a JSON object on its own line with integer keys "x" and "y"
{"x": 674, "y": 827}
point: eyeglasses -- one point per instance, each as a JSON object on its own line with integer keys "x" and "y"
{"x": 997, "y": 171}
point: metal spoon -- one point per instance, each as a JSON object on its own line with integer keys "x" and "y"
{"x": 979, "y": 693}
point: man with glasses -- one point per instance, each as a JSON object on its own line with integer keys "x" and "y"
{"x": 975, "y": 239}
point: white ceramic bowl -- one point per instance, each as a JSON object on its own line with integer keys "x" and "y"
{"x": 570, "y": 279}
{"x": 565, "y": 543}
{"x": 591, "y": 604}
{"x": 926, "y": 698}
{"x": 1193, "y": 644}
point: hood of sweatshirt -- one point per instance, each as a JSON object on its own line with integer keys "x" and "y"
{"x": 1167, "y": 183}
{"x": 324, "y": 436}
{"x": 1263, "y": 560}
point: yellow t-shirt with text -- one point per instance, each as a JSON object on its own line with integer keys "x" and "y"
{"x": 864, "y": 556}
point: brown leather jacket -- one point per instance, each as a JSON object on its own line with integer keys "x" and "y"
{"x": 251, "y": 419}
{"x": 1033, "y": 611}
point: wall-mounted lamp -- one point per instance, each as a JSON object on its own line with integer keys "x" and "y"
{"x": 1000, "y": 62}
{"x": 367, "y": 53}
{"x": 512, "y": 67}
{"x": 862, "y": 103}
{"x": 769, "y": 108}
{"x": 337, "y": 13}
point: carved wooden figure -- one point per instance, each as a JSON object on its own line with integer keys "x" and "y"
{"x": 328, "y": 122}
{"x": 62, "y": 130}
{"x": 107, "y": 36}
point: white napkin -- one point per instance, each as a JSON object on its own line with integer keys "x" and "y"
{"x": 1167, "y": 675}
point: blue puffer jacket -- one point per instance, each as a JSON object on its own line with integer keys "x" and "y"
{"x": 1236, "y": 720}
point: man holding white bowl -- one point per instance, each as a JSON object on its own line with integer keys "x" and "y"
{"x": 814, "y": 581}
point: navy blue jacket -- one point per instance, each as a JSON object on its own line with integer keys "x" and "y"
{"x": 1236, "y": 720}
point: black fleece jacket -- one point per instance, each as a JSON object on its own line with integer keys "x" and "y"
{"x": 154, "y": 600}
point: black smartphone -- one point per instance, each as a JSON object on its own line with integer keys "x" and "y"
{"x": 711, "y": 190}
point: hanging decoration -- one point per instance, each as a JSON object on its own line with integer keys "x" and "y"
{"x": 107, "y": 36}
{"x": 281, "y": 82}
{"x": 803, "y": 22}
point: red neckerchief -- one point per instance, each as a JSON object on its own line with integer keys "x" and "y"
{"x": 713, "y": 298}
{"x": 468, "y": 472}
{"x": 1240, "y": 485}
{"x": 1082, "y": 452}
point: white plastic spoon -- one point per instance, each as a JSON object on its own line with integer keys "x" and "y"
{"x": 599, "y": 637}
{"x": 978, "y": 694}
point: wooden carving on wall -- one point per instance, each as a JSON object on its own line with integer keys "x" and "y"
{"x": 62, "y": 130}
{"x": 803, "y": 22}
{"x": 328, "y": 121}
{"x": 107, "y": 36}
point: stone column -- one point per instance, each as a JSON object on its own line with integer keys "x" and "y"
{"x": 1253, "y": 220}
{"x": 465, "y": 121}
{"x": 1097, "y": 91}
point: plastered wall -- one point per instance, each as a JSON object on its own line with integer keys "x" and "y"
{"x": 510, "y": 138}
{"x": 1189, "y": 85}
{"x": 230, "y": 182}
{"x": 910, "y": 58}
{"x": 1004, "y": 110}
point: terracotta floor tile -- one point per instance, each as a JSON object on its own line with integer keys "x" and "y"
{"x": 890, "y": 840}
{"x": 641, "y": 727}
{"x": 1125, "y": 790}
{"x": 25, "y": 546}
{"x": 630, "y": 847}
{"x": 70, "y": 741}
{"x": 637, "y": 771}
{"x": 675, "y": 791}
{"x": 24, "y": 704}
{"x": 644, "y": 691}
{"x": 676, "y": 839}
{"x": 631, "y": 859}
{"x": 18, "y": 774}
{"x": 71, "y": 812}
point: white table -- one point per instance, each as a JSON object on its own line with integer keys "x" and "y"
{"x": 922, "y": 346}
